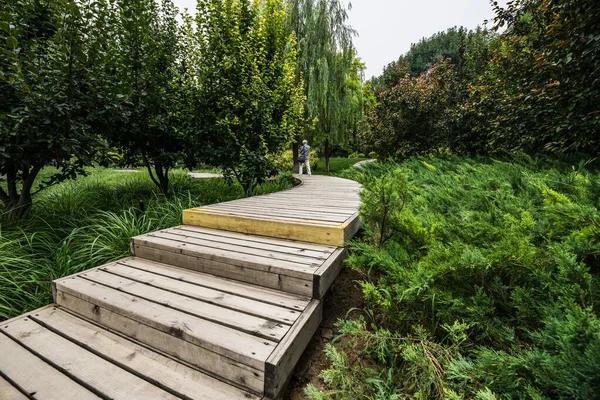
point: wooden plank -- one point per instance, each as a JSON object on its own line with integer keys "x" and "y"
{"x": 308, "y": 233}
{"x": 351, "y": 227}
{"x": 211, "y": 296}
{"x": 314, "y": 206}
{"x": 34, "y": 375}
{"x": 317, "y": 255}
{"x": 308, "y": 204}
{"x": 97, "y": 373}
{"x": 302, "y": 271}
{"x": 209, "y": 361}
{"x": 249, "y": 324}
{"x": 214, "y": 209}
{"x": 191, "y": 242}
{"x": 9, "y": 392}
{"x": 242, "y": 347}
{"x": 199, "y": 279}
{"x": 328, "y": 272}
{"x": 282, "y": 361}
{"x": 295, "y": 244}
{"x": 160, "y": 370}
{"x": 278, "y": 212}
{"x": 290, "y": 284}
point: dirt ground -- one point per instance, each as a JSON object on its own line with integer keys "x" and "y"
{"x": 343, "y": 295}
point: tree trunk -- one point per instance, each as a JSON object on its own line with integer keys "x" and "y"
{"x": 327, "y": 155}
{"x": 295, "y": 150}
{"x": 162, "y": 175}
{"x": 18, "y": 204}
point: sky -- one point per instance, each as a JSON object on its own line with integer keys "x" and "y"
{"x": 386, "y": 28}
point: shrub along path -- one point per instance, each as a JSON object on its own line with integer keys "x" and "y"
{"x": 197, "y": 312}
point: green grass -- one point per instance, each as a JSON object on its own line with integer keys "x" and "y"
{"x": 80, "y": 224}
{"x": 336, "y": 165}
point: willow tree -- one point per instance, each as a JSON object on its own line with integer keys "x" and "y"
{"x": 326, "y": 63}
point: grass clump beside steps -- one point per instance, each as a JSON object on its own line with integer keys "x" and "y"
{"x": 481, "y": 279}
{"x": 80, "y": 224}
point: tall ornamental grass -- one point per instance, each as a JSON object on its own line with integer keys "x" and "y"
{"x": 80, "y": 224}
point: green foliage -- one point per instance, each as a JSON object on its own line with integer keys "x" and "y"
{"x": 48, "y": 84}
{"x": 336, "y": 165}
{"x": 481, "y": 279}
{"x": 285, "y": 161}
{"x": 249, "y": 103}
{"x": 80, "y": 224}
{"x": 330, "y": 69}
{"x": 452, "y": 44}
{"x": 146, "y": 107}
{"x": 540, "y": 92}
{"x": 531, "y": 89}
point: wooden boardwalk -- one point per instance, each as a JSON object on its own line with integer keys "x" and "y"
{"x": 206, "y": 310}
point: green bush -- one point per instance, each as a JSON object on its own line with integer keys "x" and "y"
{"x": 361, "y": 155}
{"x": 372, "y": 155}
{"x": 285, "y": 161}
{"x": 481, "y": 279}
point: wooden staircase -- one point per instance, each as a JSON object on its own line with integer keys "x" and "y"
{"x": 198, "y": 312}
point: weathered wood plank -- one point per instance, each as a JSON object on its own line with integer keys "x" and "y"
{"x": 328, "y": 272}
{"x": 219, "y": 365}
{"x": 245, "y": 260}
{"x": 278, "y": 212}
{"x": 192, "y": 242}
{"x": 351, "y": 226}
{"x": 211, "y": 296}
{"x": 9, "y": 392}
{"x": 161, "y": 371}
{"x": 329, "y": 235}
{"x": 34, "y": 375}
{"x": 249, "y": 324}
{"x": 282, "y": 361}
{"x": 245, "y": 290}
{"x": 317, "y": 255}
{"x": 240, "y": 346}
{"x": 80, "y": 364}
{"x": 273, "y": 280}
{"x": 294, "y": 244}
{"x": 214, "y": 209}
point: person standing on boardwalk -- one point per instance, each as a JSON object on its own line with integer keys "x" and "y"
{"x": 305, "y": 157}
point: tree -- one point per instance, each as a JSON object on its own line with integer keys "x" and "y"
{"x": 145, "y": 118}
{"x": 47, "y": 96}
{"x": 425, "y": 54}
{"x": 249, "y": 105}
{"x": 326, "y": 62}
{"x": 541, "y": 91}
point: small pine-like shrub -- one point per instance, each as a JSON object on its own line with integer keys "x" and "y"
{"x": 481, "y": 279}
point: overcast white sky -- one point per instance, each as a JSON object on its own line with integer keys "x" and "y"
{"x": 386, "y": 28}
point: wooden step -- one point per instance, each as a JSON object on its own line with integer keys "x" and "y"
{"x": 245, "y": 335}
{"x": 52, "y": 354}
{"x": 301, "y": 268}
{"x": 321, "y": 210}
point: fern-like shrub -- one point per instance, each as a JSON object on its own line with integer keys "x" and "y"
{"x": 482, "y": 282}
